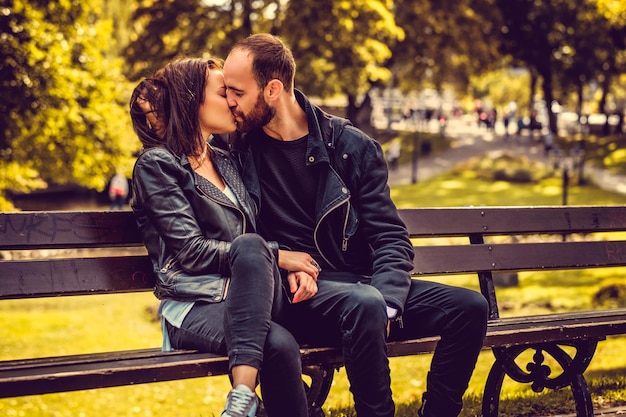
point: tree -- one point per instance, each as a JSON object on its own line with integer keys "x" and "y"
{"x": 345, "y": 50}
{"x": 564, "y": 40}
{"x": 62, "y": 113}
{"x": 446, "y": 42}
{"x": 339, "y": 46}
{"x": 164, "y": 30}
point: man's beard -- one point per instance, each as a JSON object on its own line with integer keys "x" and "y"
{"x": 258, "y": 117}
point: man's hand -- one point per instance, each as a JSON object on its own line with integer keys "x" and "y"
{"x": 302, "y": 276}
{"x": 302, "y": 285}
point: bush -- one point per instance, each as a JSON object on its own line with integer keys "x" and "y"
{"x": 504, "y": 166}
{"x": 611, "y": 294}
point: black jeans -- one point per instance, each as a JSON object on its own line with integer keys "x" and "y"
{"x": 353, "y": 316}
{"x": 246, "y": 326}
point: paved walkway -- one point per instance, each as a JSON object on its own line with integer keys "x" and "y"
{"x": 470, "y": 141}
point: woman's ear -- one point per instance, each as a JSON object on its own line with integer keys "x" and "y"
{"x": 273, "y": 90}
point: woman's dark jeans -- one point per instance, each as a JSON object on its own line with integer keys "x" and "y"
{"x": 246, "y": 327}
{"x": 353, "y": 316}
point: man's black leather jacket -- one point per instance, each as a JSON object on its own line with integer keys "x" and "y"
{"x": 178, "y": 221}
{"x": 357, "y": 224}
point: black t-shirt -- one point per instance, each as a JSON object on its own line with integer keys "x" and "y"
{"x": 288, "y": 194}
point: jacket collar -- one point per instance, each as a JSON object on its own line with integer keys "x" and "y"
{"x": 323, "y": 129}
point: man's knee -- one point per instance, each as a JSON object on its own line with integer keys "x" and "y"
{"x": 474, "y": 310}
{"x": 281, "y": 347}
{"x": 367, "y": 306}
{"x": 477, "y": 306}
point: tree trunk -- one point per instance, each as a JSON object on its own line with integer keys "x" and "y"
{"x": 606, "y": 86}
{"x": 352, "y": 111}
{"x": 533, "y": 87}
{"x": 581, "y": 100}
{"x": 548, "y": 97}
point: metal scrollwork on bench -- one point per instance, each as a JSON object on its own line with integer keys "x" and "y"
{"x": 539, "y": 375}
{"x": 317, "y": 391}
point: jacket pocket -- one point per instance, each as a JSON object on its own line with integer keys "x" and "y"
{"x": 173, "y": 283}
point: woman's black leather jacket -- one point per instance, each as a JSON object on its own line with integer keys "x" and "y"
{"x": 180, "y": 223}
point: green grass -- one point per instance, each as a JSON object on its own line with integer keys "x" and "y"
{"x": 458, "y": 189}
{"x": 59, "y": 326}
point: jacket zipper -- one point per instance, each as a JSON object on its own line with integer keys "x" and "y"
{"x": 344, "y": 243}
{"x": 168, "y": 265}
{"x": 243, "y": 216}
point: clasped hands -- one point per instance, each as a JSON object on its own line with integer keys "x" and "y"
{"x": 302, "y": 276}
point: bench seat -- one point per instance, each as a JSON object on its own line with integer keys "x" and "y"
{"x": 111, "y": 369}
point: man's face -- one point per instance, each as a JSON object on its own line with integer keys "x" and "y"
{"x": 245, "y": 98}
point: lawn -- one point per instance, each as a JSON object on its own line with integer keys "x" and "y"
{"x": 100, "y": 323}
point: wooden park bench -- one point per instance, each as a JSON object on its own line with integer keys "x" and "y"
{"x": 493, "y": 240}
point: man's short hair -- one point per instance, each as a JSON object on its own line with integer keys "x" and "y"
{"x": 271, "y": 59}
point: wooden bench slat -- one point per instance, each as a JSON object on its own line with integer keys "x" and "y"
{"x": 85, "y": 229}
{"x": 518, "y": 256}
{"x": 463, "y": 221}
{"x": 102, "y": 374}
{"x": 81, "y": 358}
{"x": 38, "y": 278}
{"x": 75, "y": 276}
{"x": 28, "y": 230}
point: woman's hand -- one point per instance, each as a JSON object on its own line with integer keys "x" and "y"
{"x": 298, "y": 262}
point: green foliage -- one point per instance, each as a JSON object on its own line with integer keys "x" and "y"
{"x": 347, "y": 49}
{"x": 501, "y": 87}
{"x": 603, "y": 151}
{"x": 503, "y": 166}
{"x": 613, "y": 10}
{"x": 446, "y": 42}
{"x": 64, "y": 118}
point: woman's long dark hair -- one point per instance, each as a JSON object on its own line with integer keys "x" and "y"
{"x": 164, "y": 108}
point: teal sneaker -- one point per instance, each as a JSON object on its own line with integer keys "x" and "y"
{"x": 240, "y": 402}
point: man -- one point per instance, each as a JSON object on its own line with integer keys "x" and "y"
{"x": 321, "y": 188}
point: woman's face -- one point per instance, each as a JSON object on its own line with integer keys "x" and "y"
{"x": 214, "y": 114}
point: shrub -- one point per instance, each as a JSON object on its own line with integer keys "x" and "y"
{"x": 610, "y": 295}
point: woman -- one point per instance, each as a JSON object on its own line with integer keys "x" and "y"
{"x": 219, "y": 282}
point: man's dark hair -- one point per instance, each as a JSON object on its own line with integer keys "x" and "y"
{"x": 271, "y": 59}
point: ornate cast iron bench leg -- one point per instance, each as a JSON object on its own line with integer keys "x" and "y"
{"x": 538, "y": 374}
{"x": 321, "y": 380}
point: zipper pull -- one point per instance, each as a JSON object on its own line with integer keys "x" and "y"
{"x": 344, "y": 244}
{"x": 167, "y": 266}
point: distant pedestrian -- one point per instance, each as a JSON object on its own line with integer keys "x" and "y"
{"x": 548, "y": 142}
{"x": 443, "y": 122}
{"x": 393, "y": 154}
{"x": 520, "y": 126}
{"x": 118, "y": 191}
{"x": 505, "y": 120}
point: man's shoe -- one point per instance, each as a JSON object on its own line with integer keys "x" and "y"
{"x": 240, "y": 402}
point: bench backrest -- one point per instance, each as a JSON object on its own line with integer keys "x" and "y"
{"x": 497, "y": 239}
